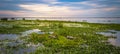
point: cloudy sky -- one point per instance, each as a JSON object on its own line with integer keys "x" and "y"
{"x": 81, "y": 8}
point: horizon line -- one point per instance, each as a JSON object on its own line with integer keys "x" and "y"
{"x": 52, "y": 16}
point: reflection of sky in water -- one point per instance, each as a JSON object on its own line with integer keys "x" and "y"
{"x": 84, "y": 19}
{"x": 32, "y": 31}
{"x": 8, "y": 36}
{"x": 113, "y": 41}
{"x": 12, "y": 40}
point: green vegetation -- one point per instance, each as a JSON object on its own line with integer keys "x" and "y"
{"x": 68, "y": 37}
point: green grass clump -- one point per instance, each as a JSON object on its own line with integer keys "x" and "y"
{"x": 37, "y": 38}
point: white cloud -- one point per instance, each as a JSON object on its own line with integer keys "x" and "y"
{"x": 89, "y": 4}
{"x": 37, "y": 10}
{"x": 110, "y": 9}
{"x": 46, "y": 10}
{"x": 49, "y": 0}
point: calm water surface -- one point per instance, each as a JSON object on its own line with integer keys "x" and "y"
{"x": 79, "y": 19}
{"x": 14, "y": 41}
{"x": 114, "y": 33}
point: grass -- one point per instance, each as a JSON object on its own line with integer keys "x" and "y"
{"x": 84, "y": 41}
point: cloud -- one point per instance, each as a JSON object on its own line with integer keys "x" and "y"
{"x": 49, "y": 0}
{"x": 59, "y": 8}
{"x": 29, "y": 0}
{"x": 110, "y": 9}
{"x": 46, "y": 10}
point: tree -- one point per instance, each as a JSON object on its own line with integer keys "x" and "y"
{"x": 4, "y": 19}
{"x": 23, "y": 19}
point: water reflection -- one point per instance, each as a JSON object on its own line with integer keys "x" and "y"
{"x": 32, "y": 31}
{"x": 13, "y": 44}
{"x": 81, "y": 19}
{"x": 114, "y": 33}
{"x": 8, "y": 36}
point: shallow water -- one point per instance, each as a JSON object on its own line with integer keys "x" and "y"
{"x": 14, "y": 41}
{"x": 8, "y": 36}
{"x": 114, "y": 33}
{"x": 109, "y": 33}
{"x": 32, "y": 31}
{"x": 15, "y": 36}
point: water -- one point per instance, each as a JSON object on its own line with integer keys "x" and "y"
{"x": 90, "y": 20}
{"x": 8, "y": 41}
{"x": 79, "y": 19}
{"x": 32, "y": 31}
{"x": 114, "y": 33}
{"x": 8, "y": 36}
{"x": 109, "y": 33}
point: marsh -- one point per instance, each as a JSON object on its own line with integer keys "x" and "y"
{"x": 64, "y": 37}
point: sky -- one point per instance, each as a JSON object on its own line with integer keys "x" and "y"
{"x": 79, "y": 8}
